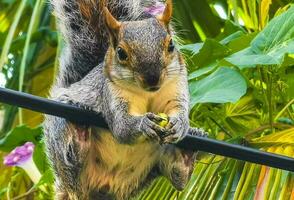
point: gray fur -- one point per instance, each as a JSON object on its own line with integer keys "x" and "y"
{"x": 67, "y": 155}
{"x": 83, "y": 82}
{"x": 85, "y": 44}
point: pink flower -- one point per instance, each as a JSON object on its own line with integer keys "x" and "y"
{"x": 156, "y": 9}
{"x": 22, "y": 156}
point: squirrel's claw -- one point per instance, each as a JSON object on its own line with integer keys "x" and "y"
{"x": 197, "y": 132}
{"x": 175, "y": 130}
{"x": 150, "y": 128}
{"x": 153, "y": 117}
{"x": 64, "y": 98}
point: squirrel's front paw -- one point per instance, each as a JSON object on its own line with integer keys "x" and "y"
{"x": 150, "y": 128}
{"x": 176, "y": 129}
{"x": 64, "y": 98}
{"x": 197, "y": 132}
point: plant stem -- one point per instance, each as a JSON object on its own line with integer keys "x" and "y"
{"x": 247, "y": 181}
{"x": 284, "y": 109}
{"x": 8, "y": 191}
{"x": 270, "y": 99}
{"x": 230, "y": 181}
{"x": 11, "y": 33}
{"x": 241, "y": 181}
{"x": 261, "y": 86}
{"x": 32, "y": 190}
{"x": 195, "y": 180}
{"x": 58, "y": 52}
{"x": 202, "y": 182}
{"x": 275, "y": 187}
{"x": 32, "y": 27}
{"x": 266, "y": 126}
{"x": 221, "y": 127}
{"x": 235, "y": 9}
{"x": 220, "y": 179}
{"x": 269, "y": 183}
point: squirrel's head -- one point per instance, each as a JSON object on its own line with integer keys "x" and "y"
{"x": 142, "y": 53}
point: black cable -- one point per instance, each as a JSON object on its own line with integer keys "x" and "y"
{"x": 51, "y": 107}
{"x": 194, "y": 143}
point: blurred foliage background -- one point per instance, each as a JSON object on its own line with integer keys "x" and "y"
{"x": 240, "y": 56}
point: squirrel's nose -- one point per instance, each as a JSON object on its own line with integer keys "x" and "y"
{"x": 152, "y": 80}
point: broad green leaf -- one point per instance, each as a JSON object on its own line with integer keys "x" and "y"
{"x": 247, "y": 58}
{"x": 200, "y": 55}
{"x": 232, "y": 37}
{"x": 241, "y": 42}
{"x": 241, "y": 116}
{"x": 230, "y": 29}
{"x": 193, "y": 16}
{"x": 210, "y": 52}
{"x": 224, "y": 85}
{"x": 283, "y": 138}
{"x": 193, "y": 48}
{"x": 201, "y": 72}
{"x": 18, "y": 136}
{"x": 270, "y": 45}
{"x": 39, "y": 157}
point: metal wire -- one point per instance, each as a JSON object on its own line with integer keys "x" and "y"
{"x": 193, "y": 143}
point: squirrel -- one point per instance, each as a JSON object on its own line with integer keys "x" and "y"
{"x": 121, "y": 62}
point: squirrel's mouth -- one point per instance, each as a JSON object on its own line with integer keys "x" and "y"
{"x": 147, "y": 87}
{"x": 153, "y": 88}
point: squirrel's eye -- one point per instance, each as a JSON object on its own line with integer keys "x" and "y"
{"x": 171, "y": 46}
{"x": 121, "y": 54}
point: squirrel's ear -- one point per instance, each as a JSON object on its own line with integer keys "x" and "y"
{"x": 112, "y": 24}
{"x": 166, "y": 16}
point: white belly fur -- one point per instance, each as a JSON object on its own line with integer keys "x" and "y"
{"x": 120, "y": 167}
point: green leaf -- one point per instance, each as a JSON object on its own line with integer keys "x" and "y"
{"x": 224, "y": 85}
{"x": 204, "y": 54}
{"x": 270, "y": 45}
{"x": 194, "y": 16}
{"x": 193, "y": 48}
{"x": 229, "y": 29}
{"x": 39, "y": 157}
{"x": 241, "y": 42}
{"x": 3, "y": 191}
{"x": 18, "y": 136}
{"x": 47, "y": 178}
{"x": 232, "y": 37}
{"x": 201, "y": 72}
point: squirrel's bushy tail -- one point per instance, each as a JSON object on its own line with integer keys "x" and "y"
{"x": 86, "y": 39}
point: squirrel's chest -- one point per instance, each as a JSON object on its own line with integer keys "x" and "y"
{"x": 141, "y": 101}
{"x": 119, "y": 167}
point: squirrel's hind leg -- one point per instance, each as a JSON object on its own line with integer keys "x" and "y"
{"x": 177, "y": 164}
{"x": 67, "y": 156}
